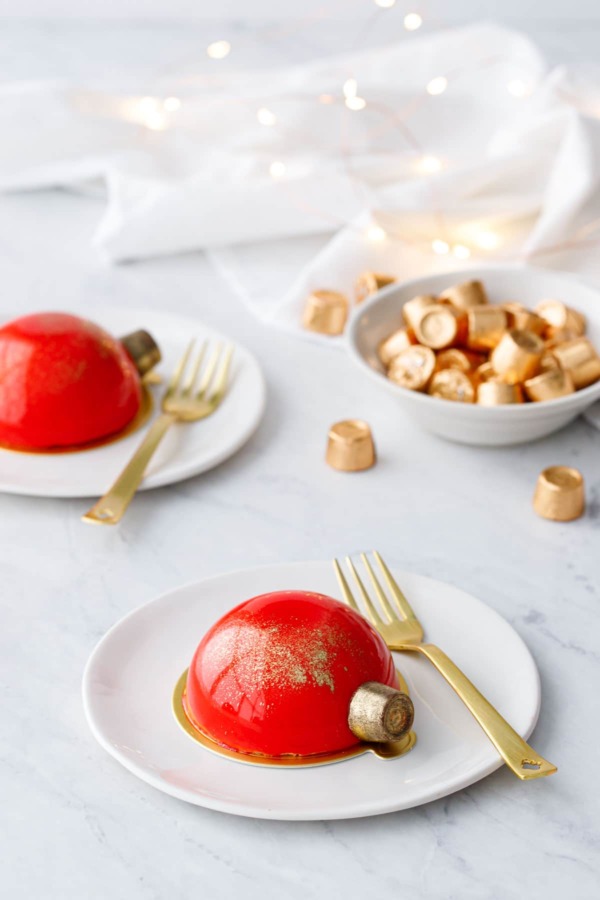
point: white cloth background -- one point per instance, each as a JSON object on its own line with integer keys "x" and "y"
{"x": 525, "y": 168}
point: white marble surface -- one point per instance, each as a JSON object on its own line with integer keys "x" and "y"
{"x": 76, "y": 825}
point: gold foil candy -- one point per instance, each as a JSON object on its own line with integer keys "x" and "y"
{"x": 486, "y": 325}
{"x": 485, "y": 372}
{"x": 453, "y": 359}
{"x": 380, "y": 713}
{"x": 559, "y": 316}
{"x": 439, "y": 327}
{"x": 524, "y": 319}
{"x": 391, "y": 346}
{"x": 369, "y": 283}
{"x": 517, "y": 356}
{"x": 350, "y": 446}
{"x": 413, "y": 368}
{"x": 414, "y": 309}
{"x": 466, "y": 295}
{"x": 325, "y": 312}
{"x": 549, "y": 385}
{"x": 498, "y": 393}
{"x": 559, "y": 494}
{"x": 452, "y": 384}
{"x": 579, "y": 358}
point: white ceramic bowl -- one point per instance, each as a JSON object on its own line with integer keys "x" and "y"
{"x": 469, "y": 423}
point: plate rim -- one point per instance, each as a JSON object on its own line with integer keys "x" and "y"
{"x": 477, "y": 773}
{"x": 160, "y": 478}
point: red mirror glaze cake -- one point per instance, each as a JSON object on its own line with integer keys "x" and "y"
{"x": 63, "y": 382}
{"x": 275, "y": 676}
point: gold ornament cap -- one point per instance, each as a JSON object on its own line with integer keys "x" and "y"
{"x": 559, "y": 494}
{"x": 380, "y": 713}
{"x": 350, "y": 446}
{"x": 326, "y": 312}
{"x": 143, "y": 350}
{"x": 497, "y": 393}
{"x": 517, "y": 356}
{"x": 369, "y": 283}
{"x": 549, "y": 385}
{"x": 486, "y": 326}
{"x": 413, "y": 368}
{"x": 466, "y": 295}
{"x": 452, "y": 384}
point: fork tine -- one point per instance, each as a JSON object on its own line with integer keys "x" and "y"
{"x": 404, "y": 606}
{"x": 190, "y": 381}
{"x": 348, "y": 596}
{"x": 385, "y": 603}
{"x": 221, "y": 377}
{"x": 371, "y": 610}
{"x": 176, "y": 377}
{"x": 208, "y": 372}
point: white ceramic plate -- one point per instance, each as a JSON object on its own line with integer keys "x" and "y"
{"x": 130, "y": 677}
{"x": 186, "y": 450}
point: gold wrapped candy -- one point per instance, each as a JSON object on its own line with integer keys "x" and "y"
{"x": 350, "y": 446}
{"x": 369, "y": 283}
{"x": 461, "y": 347}
{"x": 326, "y": 312}
{"x": 559, "y": 494}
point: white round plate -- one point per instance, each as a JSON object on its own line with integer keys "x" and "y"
{"x": 186, "y": 450}
{"x": 130, "y": 677}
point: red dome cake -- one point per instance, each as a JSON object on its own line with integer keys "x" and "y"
{"x": 276, "y": 675}
{"x": 63, "y": 382}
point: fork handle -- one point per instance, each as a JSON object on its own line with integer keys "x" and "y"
{"x": 110, "y": 508}
{"x": 516, "y": 753}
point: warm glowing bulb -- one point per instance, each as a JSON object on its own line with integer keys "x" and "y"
{"x": 385, "y": 4}
{"x": 376, "y": 234}
{"x": 440, "y": 247}
{"x": 518, "y": 88}
{"x": 350, "y": 88}
{"x": 487, "y": 240}
{"x": 412, "y": 21}
{"x": 355, "y": 103}
{"x": 461, "y": 252}
{"x": 326, "y": 99}
{"x": 151, "y": 114}
{"x": 148, "y": 105}
{"x": 218, "y": 49}
{"x": 429, "y": 164}
{"x": 266, "y": 117}
{"x": 437, "y": 85}
{"x": 172, "y": 104}
{"x": 277, "y": 169}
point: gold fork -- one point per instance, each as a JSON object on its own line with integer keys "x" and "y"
{"x": 401, "y": 630}
{"x": 188, "y": 398}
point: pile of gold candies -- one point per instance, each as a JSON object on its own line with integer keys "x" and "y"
{"x": 459, "y": 346}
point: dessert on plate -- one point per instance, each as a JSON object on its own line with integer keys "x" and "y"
{"x": 294, "y": 674}
{"x": 65, "y": 382}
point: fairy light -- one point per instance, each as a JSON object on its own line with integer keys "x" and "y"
{"x": 429, "y": 165}
{"x": 172, "y": 104}
{"x": 412, "y": 21}
{"x": 487, "y": 240}
{"x": 266, "y": 117}
{"x": 376, "y": 234}
{"x": 350, "y": 88}
{"x": 461, "y": 252}
{"x": 152, "y": 114}
{"x": 440, "y": 247}
{"x": 437, "y": 85}
{"x": 277, "y": 169}
{"x": 518, "y": 88}
{"x": 326, "y": 99}
{"x": 385, "y": 4}
{"x": 355, "y": 103}
{"x": 218, "y": 49}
